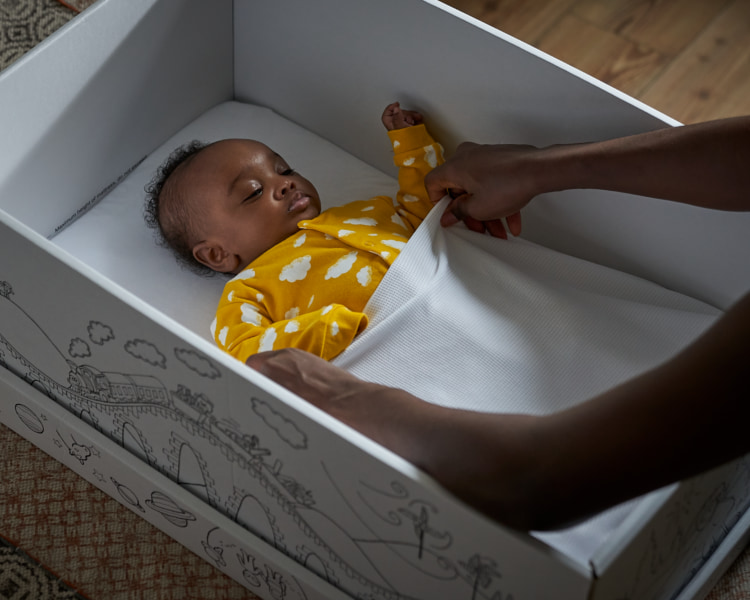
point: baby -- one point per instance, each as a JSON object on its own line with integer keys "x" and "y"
{"x": 303, "y": 277}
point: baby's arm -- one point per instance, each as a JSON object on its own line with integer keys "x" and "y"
{"x": 243, "y": 328}
{"x": 415, "y": 154}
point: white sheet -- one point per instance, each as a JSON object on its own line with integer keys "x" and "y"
{"x": 460, "y": 319}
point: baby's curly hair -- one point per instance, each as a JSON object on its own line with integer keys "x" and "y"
{"x": 175, "y": 228}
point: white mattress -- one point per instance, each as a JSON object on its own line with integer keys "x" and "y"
{"x": 517, "y": 327}
{"x": 113, "y": 238}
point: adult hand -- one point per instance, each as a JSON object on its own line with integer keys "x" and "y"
{"x": 309, "y": 376}
{"x": 487, "y": 183}
{"x": 481, "y": 458}
{"x": 359, "y": 404}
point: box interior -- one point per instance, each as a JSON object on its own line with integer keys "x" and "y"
{"x": 159, "y": 65}
{"x": 113, "y": 239}
{"x": 112, "y": 107}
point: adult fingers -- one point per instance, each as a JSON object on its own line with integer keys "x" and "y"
{"x": 309, "y": 376}
{"x": 289, "y": 367}
{"x": 455, "y": 212}
{"x": 464, "y": 146}
{"x": 473, "y": 224}
{"x": 437, "y": 183}
{"x": 514, "y": 223}
{"x": 496, "y": 229}
{"x": 452, "y": 213}
{"x": 448, "y": 176}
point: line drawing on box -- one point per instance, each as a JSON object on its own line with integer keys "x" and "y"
{"x": 29, "y": 418}
{"x": 405, "y": 514}
{"x": 215, "y": 551}
{"x": 132, "y": 439}
{"x": 421, "y": 523}
{"x": 6, "y": 290}
{"x": 192, "y": 469}
{"x": 285, "y": 428}
{"x": 80, "y": 452}
{"x": 169, "y": 509}
{"x": 248, "y": 510}
{"x": 99, "y": 333}
{"x": 480, "y": 570}
{"x": 158, "y": 416}
{"x": 315, "y": 563}
{"x": 197, "y": 363}
{"x": 419, "y": 519}
{"x": 255, "y": 572}
{"x": 92, "y": 419}
{"x": 128, "y": 495}
{"x": 147, "y": 352}
{"x": 79, "y": 348}
{"x": 699, "y": 521}
{"x": 250, "y": 571}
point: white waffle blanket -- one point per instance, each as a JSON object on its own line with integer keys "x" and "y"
{"x": 474, "y": 322}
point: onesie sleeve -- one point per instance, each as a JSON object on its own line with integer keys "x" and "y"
{"x": 242, "y": 328}
{"x": 415, "y": 154}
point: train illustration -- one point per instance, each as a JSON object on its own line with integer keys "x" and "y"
{"x": 123, "y": 388}
{"x": 119, "y": 388}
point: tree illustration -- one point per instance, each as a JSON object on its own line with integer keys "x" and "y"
{"x": 482, "y": 570}
{"x": 422, "y": 527}
{"x": 6, "y": 290}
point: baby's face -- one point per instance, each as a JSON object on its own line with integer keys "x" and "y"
{"x": 251, "y": 198}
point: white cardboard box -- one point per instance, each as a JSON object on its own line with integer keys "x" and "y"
{"x": 280, "y": 496}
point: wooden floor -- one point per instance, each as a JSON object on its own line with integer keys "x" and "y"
{"x": 688, "y": 58}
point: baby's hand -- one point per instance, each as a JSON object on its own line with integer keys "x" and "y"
{"x": 396, "y": 118}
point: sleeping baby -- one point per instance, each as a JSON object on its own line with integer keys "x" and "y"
{"x": 302, "y": 276}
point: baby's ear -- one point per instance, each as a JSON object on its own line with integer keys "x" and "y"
{"x": 215, "y": 257}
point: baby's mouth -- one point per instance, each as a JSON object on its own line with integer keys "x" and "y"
{"x": 298, "y": 203}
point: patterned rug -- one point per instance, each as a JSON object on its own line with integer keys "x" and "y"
{"x": 90, "y": 540}
{"x": 22, "y": 577}
{"x": 25, "y": 23}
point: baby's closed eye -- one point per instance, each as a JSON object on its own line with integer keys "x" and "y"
{"x": 254, "y": 195}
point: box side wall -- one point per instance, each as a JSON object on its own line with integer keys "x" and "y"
{"x": 345, "y": 61}
{"x": 88, "y": 104}
{"x": 720, "y": 562}
{"x": 328, "y": 498}
{"x": 661, "y": 552}
{"x": 163, "y": 503}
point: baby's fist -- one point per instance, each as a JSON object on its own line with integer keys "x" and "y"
{"x": 394, "y": 117}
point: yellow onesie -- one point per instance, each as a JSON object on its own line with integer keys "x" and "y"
{"x": 309, "y": 291}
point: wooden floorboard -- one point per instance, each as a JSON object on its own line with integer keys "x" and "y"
{"x": 528, "y": 20}
{"x": 629, "y": 67}
{"x": 687, "y": 58}
{"x": 666, "y": 26}
{"x": 711, "y": 78}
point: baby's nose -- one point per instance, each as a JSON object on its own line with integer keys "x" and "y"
{"x": 287, "y": 185}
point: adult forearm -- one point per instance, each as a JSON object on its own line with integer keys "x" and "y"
{"x": 676, "y": 421}
{"x": 703, "y": 164}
